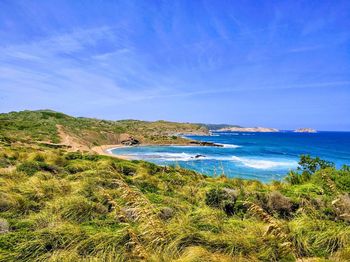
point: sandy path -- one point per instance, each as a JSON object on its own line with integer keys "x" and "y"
{"x": 68, "y": 140}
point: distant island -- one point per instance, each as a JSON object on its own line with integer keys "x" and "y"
{"x": 248, "y": 129}
{"x": 305, "y": 130}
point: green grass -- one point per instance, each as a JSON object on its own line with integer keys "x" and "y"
{"x": 40, "y": 126}
{"x": 63, "y": 206}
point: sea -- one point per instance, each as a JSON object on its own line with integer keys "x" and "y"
{"x": 260, "y": 156}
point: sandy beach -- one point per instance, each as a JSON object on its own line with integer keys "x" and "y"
{"x": 106, "y": 151}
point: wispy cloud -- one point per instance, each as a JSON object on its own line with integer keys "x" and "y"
{"x": 245, "y": 89}
{"x": 66, "y": 67}
{"x": 126, "y": 56}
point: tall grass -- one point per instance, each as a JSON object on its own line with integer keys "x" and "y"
{"x": 57, "y": 206}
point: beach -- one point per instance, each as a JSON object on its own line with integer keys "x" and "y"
{"x": 106, "y": 151}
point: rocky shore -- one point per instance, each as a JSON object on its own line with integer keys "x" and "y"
{"x": 305, "y": 130}
{"x": 248, "y": 129}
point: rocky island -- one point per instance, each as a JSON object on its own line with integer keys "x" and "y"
{"x": 248, "y": 129}
{"x": 305, "y": 130}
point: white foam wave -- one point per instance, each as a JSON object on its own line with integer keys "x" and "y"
{"x": 230, "y": 145}
{"x": 166, "y": 156}
{"x": 169, "y": 156}
{"x": 265, "y": 164}
{"x": 245, "y": 161}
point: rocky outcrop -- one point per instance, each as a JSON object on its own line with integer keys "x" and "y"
{"x": 128, "y": 140}
{"x": 248, "y": 129}
{"x": 203, "y": 143}
{"x": 199, "y": 156}
{"x": 305, "y": 130}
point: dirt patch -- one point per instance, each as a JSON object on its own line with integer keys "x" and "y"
{"x": 72, "y": 142}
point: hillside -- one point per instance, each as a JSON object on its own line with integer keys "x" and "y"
{"x": 57, "y": 205}
{"x": 215, "y": 127}
{"x": 44, "y": 126}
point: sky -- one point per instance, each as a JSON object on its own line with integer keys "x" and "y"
{"x": 282, "y": 64}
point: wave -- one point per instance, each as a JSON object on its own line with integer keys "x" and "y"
{"x": 229, "y": 145}
{"x": 228, "y": 133}
{"x": 245, "y": 161}
{"x": 166, "y": 156}
{"x": 265, "y": 164}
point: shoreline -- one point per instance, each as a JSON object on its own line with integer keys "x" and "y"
{"x": 105, "y": 150}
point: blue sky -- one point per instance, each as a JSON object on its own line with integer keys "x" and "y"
{"x": 283, "y": 64}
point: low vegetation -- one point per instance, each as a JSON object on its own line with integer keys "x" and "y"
{"x": 74, "y": 206}
{"x": 41, "y": 126}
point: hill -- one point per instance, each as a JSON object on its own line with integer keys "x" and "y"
{"x": 215, "y": 127}
{"x": 57, "y": 205}
{"x": 49, "y": 127}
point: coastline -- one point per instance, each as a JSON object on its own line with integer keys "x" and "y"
{"x": 105, "y": 150}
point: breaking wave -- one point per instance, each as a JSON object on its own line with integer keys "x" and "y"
{"x": 230, "y": 145}
{"x": 265, "y": 164}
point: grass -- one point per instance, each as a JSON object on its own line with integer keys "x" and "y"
{"x": 41, "y": 126}
{"x": 62, "y": 206}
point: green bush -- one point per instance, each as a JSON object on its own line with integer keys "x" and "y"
{"x": 73, "y": 155}
{"x": 125, "y": 168}
{"x": 222, "y": 198}
{"x": 30, "y": 168}
{"x": 307, "y": 167}
{"x": 76, "y": 166}
{"x": 280, "y": 204}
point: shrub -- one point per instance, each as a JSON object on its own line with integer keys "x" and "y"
{"x": 39, "y": 158}
{"x": 76, "y": 166}
{"x": 311, "y": 165}
{"x": 147, "y": 187}
{"x": 222, "y": 198}
{"x": 307, "y": 166}
{"x": 152, "y": 169}
{"x": 31, "y": 167}
{"x": 73, "y": 156}
{"x": 279, "y": 203}
{"x": 125, "y": 168}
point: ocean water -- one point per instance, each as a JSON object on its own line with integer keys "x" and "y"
{"x": 261, "y": 156}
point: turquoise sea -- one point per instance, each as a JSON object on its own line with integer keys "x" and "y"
{"x": 262, "y": 156}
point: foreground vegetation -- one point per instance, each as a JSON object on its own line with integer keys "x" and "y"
{"x": 71, "y": 206}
